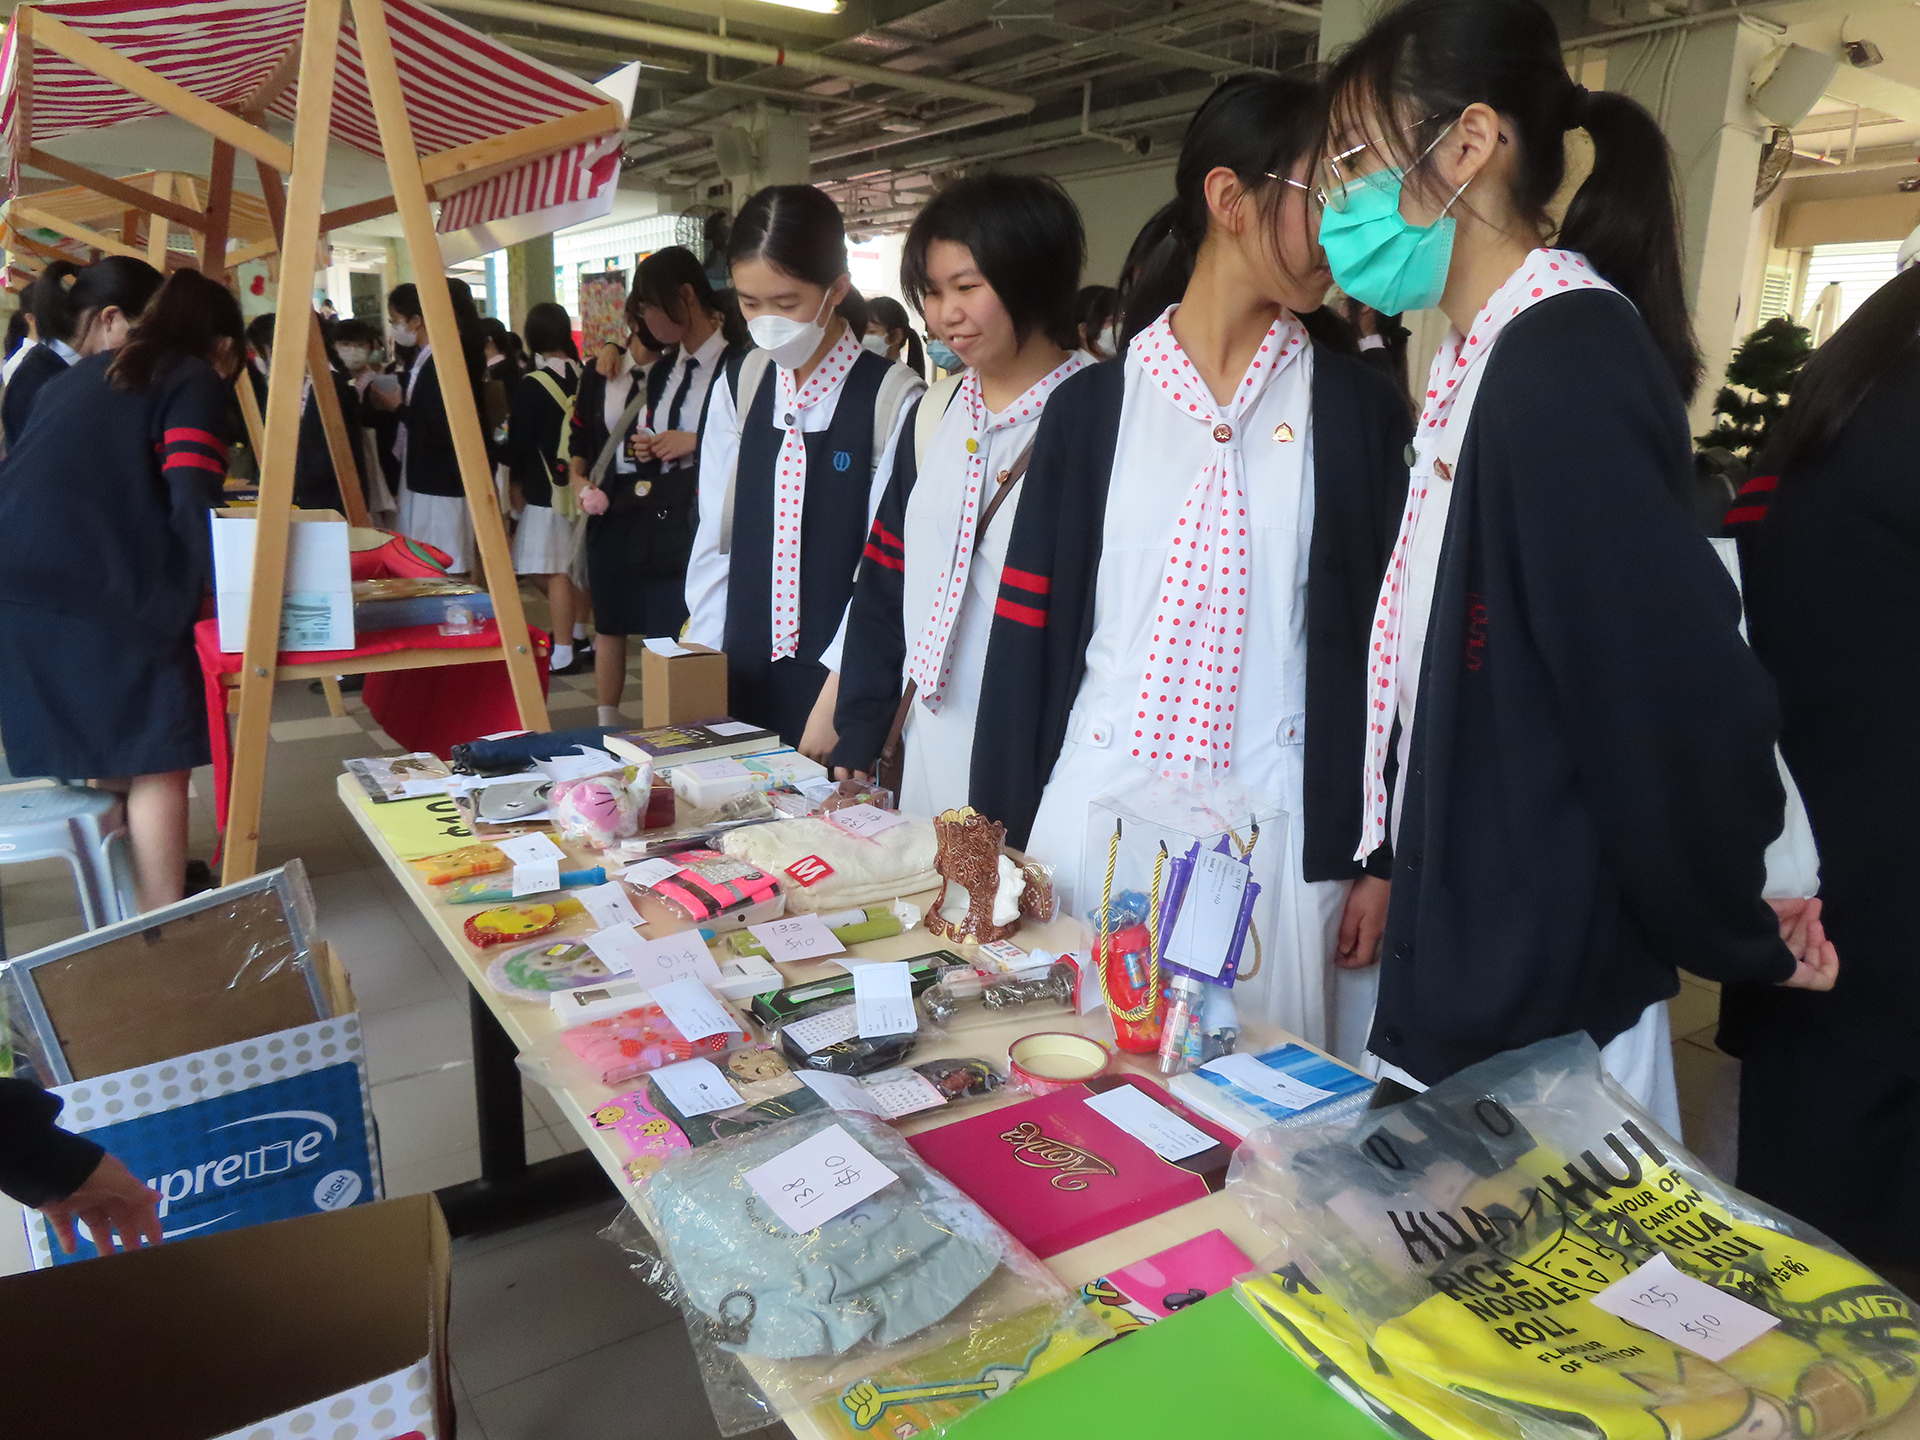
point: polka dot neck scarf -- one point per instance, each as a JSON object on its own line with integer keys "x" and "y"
{"x": 790, "y": 482}
{"x": 1545, "y": 273}
{"x": 931, "y": 662}
{"x": 1183, "y": 722}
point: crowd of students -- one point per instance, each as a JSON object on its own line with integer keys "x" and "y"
{"x": 1466, "y": 635}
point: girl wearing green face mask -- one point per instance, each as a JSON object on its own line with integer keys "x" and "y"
{"x": 1586, "y": 778}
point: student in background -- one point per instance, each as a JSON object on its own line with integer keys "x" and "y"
{"x": 548, "y": 536}
{"x": 1830, "y": 1084}
{"x": 113, "y": 480}
{"x": 433, "y": 504}
{"x": 77, "y": 312}
{"x": 357, "y": 346}
{"x": 632, "y": 593}
{"x": 992, "y": 262}
{"x": 316, "y": 486}
{"x": 21, "y": 334}
{"x": 1580, "y": 810}
{"x": 890, "y": 334}
{"x": 798, "y": 445}
{"x": 1222, "y": 415}
{"x": 1096, "y": 319}
{"x": 1382, "y": 341}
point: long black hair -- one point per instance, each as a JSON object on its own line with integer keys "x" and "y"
{"x": 1426, "y": 61}
{"x": 1259, "y": 127}
{"x": 658, "y": 279}
{"x": 189, "y": 316}
{"x": 1025, "y": 236}
{"x": 795, "y": 229}
{"x": 67, "y": 294}
{"x": 1832, "y": 384}
{"x": 891, "y": 315}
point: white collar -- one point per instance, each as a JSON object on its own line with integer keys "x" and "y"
{"x": 65, "y": 351}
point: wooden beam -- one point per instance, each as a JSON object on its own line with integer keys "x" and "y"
{"x": 449, "y": 171}
{"x": 354, "y": 214}
{"x": 463, "y": 414}
{"x": 156, "y": 89}
{"x": 130, "y": 232}
{"x": 72, "y": 229}
{"x": 250, "y": 412}
{"x": 307, "y": 159}
{"x": 283, "y": 74}
{"x": 157, "y": 226}
{"x": 213, "y": 244}
{"x": 23, "y": 74}
{"x": 259, "y": 250}
{"x": 154, "y": 202}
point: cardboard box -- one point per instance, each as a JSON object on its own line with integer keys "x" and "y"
{"x": 680, "y": 689}
{"x": 317, "y": 612}
{"x": 332, "y": 1324}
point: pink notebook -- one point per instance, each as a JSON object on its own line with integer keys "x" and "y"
{"x": 1058, "y": 1174}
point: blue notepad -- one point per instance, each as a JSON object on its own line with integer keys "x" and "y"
{"x": 1308, "y": 1085}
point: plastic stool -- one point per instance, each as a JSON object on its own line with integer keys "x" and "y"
{"x": 69, "y": 822}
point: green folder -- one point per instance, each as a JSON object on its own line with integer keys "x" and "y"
{"x": 1209, "y": 1370}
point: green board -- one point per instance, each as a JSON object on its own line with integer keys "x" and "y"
{"x": 1210, "y": 1370}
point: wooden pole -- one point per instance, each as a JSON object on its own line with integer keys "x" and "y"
{"x": 157, "y": 226}
{"x": 463, "y": 415}
{"x": 213, "y": 245}
{"x": 319, "y": 44}
{"x": 256, "y": 423}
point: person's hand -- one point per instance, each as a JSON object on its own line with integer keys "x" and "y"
{"x": 819, "y": 738}
{"x": 593, "y": 500}
{"x": 109, "y": 1201}
{"x": 607, "y": 362}
{"x": 842, "y": 772}
{"x": 1362, "y": 923}
{"x": 1816, "y": 962}
{"x": 640, "y": 444}
{"x": 674, "y": 444}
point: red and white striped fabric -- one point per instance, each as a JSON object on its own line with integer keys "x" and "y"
{"x": 461, "y": 87}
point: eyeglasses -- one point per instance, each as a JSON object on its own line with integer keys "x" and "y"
{"x": 1339, "y": 172}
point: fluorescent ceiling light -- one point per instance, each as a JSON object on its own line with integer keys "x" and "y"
{"x": 818, "y": 7}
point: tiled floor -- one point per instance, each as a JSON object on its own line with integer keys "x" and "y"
{"x": 553, "y": 1339}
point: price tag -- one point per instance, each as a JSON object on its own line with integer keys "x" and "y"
{"x": 841, "y": 1092}
{"x": 717, "y": 770}
{"x": 866, "y": 821}
{"x": 883, "y": 999}
{"x": 1249, "y": 1074}
{"x": 649, "y": 873}
{"x": 694, "y": 1010}
{"x": 798, "y": 937}
{"x": 432, "y": 785}
{"x": 536, "y": 879}
{"x": 817, "y": 1032}
{"x": 608, "y": 904}
{"x": 586, "y": 761}
{"x": 697, "y": 1087}
{"x": 817, "y": 1179}
{"x": 1203, "y": 933}
{"x": 1691, "y": 1313}
{"x": 1005, "y": 954}
{"x": 667, "y": 646}
{"x": 530, "y": 849}
{"x": 618, "y": 947}
{"x": 732, "y": 728}
{"x": 1150, "y": 1122}
{"x": 895, "y": 1093}
{"x": 505, "y": 734}
{"x": 676, "y": 957}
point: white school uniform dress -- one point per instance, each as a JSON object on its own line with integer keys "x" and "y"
{"x": 440, "y": 520}
{"x": 1640, "y": 1060}
{"x": 951, "y": 582}
{"x": 1164, "y": 453}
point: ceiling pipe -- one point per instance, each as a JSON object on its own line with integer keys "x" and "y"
{"x": 585, "y": 22}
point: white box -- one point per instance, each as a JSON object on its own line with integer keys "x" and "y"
{"x": 317, "y": 613}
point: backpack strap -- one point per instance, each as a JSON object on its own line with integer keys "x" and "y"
{"x": 621, "y": 427}
{"x": 544, "y": 378}
{"x": 898, "y": 387}
{"x": 746, "y": 387}
{"x": 939, "y": 397}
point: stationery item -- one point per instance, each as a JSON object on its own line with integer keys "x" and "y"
{"x": 529, "y": 849}
{"x": 542, "y": 877}
{"x": 461, "y": 864}
{"x": 1210, "y": 898}
{"x": 386, "y": 777}
{"x": 493, "y": 889}
{"x": 669, "y": 744}
{"x": 1176, "y": 1278}
{"x": 647, "y": 1133}
{"x": 537, "y": 972}
{"x": 776, "y": 1009}
{"x": 635, "y": 1041}
{"x": 848, "y": 927}
{"x": 504, "y": 924}
{"x": 1244, "y": 1091}
{"x": 1055, "y": 1060}
{"x": 705, "y": 783}
{"x": 798, "y": 937}
{"x": 883, "y": 1000}
{"x": 1057, "y": 1173}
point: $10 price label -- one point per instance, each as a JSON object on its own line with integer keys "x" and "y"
{"x": 1692, "y": 1314}
{"x": 824, "y": 1175}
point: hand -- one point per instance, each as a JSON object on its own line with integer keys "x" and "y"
{"x": 640, "y": 444}
{"x": 593, "y": 500}
{"x": 607, "y": 362}
{"x": 1362, "y": 923}
{"x": 1816, "y": 962}
{"x": 109, "y": 1200}
{"x": 819, "y": 738}
{"x": 842, "y": 772}
{"x": 674, "y": 444}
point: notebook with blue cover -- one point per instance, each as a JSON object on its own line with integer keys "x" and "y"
{"x": 1219, "y": 1098}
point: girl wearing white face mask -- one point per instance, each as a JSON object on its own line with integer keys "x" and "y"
{"x": 799, "y": 442}
{"x": 433, "y": 506}
{"x": 890, "y": 334}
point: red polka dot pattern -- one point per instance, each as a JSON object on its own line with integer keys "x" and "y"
{"x": 1545, "y": 272}
{"x": 1190, "y": 691}
{"x": 931, "y": 664}
{"x": 790, "y": 483}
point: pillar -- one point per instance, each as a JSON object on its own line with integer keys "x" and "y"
{"x": 529, "y": 278}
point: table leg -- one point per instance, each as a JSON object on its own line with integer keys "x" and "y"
{"x": 510, "y": 1191}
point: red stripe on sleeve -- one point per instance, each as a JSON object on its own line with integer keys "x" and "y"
{"x": 887, "y": 537}
{"x": 198, "y": 462}
{"x": 876, "y": 554}
{"x": 1025, "y": 614}
{"x": 1744, "y": 514}
{"x": 197, "y": 437}
{"x": 1026, "y": 580}
{"x": 1760, "y": 484}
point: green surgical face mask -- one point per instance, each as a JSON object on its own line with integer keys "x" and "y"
{"x": 1378, "y": 256}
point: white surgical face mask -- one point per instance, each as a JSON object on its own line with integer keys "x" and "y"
{"x": 789, "y": 342}
{"x": 1110, "y": 339}
{"x": 876, "y": 343}
{"x": 354, "y": 357}
{"x": 404, "y": 335}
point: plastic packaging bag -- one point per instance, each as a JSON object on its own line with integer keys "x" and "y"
{"x": 821, "y": 1035}
{"x": 1441, "y": 1258}
{"x": 906, "y": 1309}
{"x": 616, "y": 1048}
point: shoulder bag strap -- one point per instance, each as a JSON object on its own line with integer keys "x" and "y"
{"x": 753, "y": 370}
{"x": 618, "y": 434}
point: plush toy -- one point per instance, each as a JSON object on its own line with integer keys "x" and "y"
{"x": 596, "y": 811}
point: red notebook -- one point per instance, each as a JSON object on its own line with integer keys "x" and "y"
{"x": 1058, "y": 1174}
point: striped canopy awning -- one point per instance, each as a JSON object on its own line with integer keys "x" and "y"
{"x": 462, "y": 88}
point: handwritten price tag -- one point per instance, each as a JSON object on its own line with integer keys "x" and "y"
{"x": 694, "y": 1011}
{"x": 530, "y": 849}
{"x": 1249, "y": 1074}
{"x": 1150, "y": 1122}
{"x": 821, "y": 1177}
{"x": 696, "y": 1087}
{"x": 817, "y": 1032}
{"x": 617, "y": 947}
{"x": 608, "y": 904}
{"x": 536, "y": 879}
{"x": 1691, "y": 1313}
{"x": 677, "y": 957}
{"x": 866, "y": 821}
{"x": 798, "y": 937}
{"x": 649, "y": 873}
{"x": 883, "y": 999}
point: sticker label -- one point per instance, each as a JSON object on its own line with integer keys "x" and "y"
{"x": 809, "y": 871}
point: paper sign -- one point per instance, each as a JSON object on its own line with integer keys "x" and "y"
{"x": 1249, "y": 1074}
{"x": 817, "y": 1032}
{"x": 676, "y": 957}
{"x": 697, "y": 1087}
{"x": 731, "y": 728}
{"x": 841, "y": 1092}
{"x": 1692, "y": 1314}
{"x": 798, "y": 937}
{"x": 536, "y": 879}
{"x": 529, "y": 849}
{"x": 883, "y": 999}
{"x": 817, "y": 1179}
{"x": 866, "y": 821}
{"x": 694, "y": 1010}
{"x": 1208, "y": 915}
{"x": 705, "y": 770}
{"x": 666, "y": 645}
{"x": 618, "y": 947}
{"x": 587, "y": 761}
{"x": 608, "y": 904}
{"x": 1086, "y": 990}
{"x": 1150, "y": 1122}
{"x": 649, "y": 873}
{"x": 432, "y": 785}
{"x": 894, "y": 1093}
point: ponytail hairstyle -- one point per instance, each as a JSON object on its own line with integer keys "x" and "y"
{"x": 1026, "y": 239}
{"x": 549, "y": 328}
{"x": 659, "y": 277}
{"x": 67, "y": 294}
{"x": 1425, "y": 61}
{"x": 191, "y": 317}
{"x": 1831, "y": 384}
{"x": 1259, "y": 127}
{"x": 891, "y": 315}
{"x": 794, "y": 228}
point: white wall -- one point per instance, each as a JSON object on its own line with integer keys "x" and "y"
{"x": 1114, "y": 207}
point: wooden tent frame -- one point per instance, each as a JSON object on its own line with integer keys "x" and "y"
{"x": 295, "y": 206}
